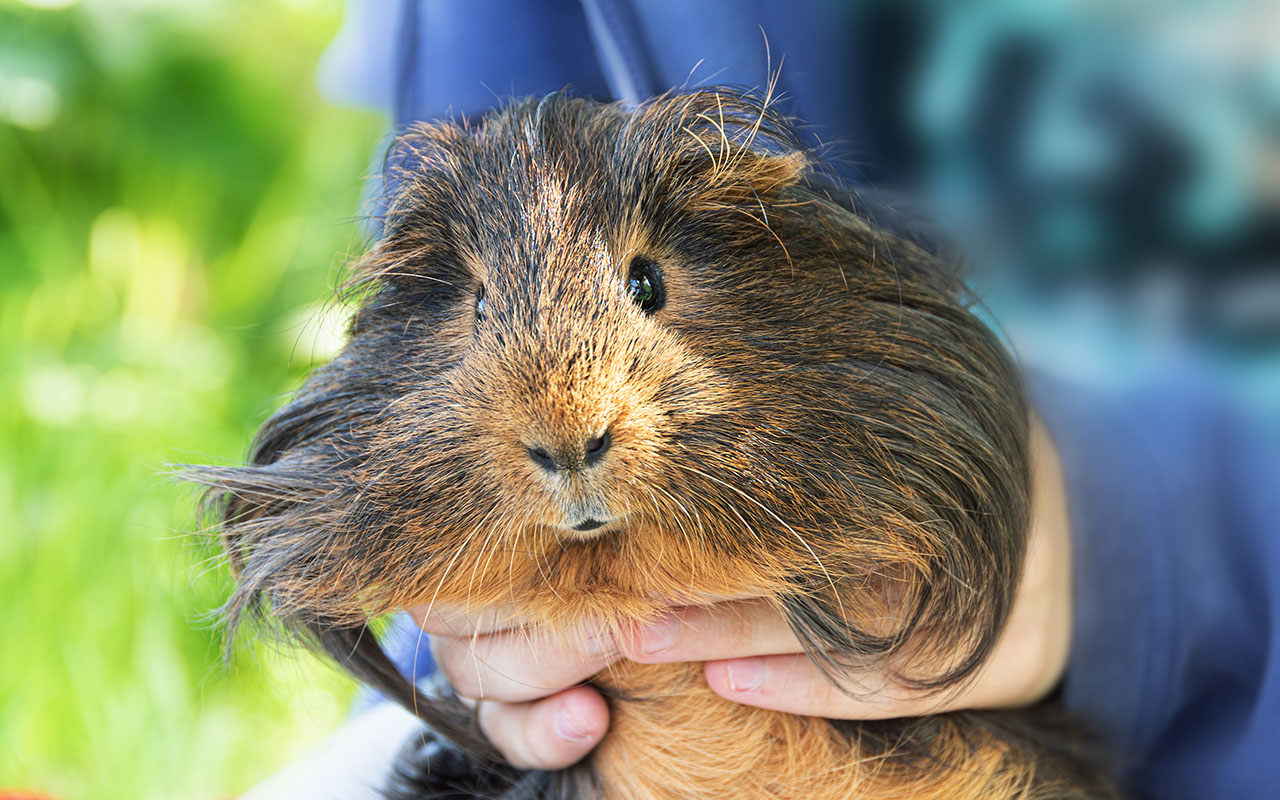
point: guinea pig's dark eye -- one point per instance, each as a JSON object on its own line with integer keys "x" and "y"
{"x": 480, "y": 308}
{"x": 644, "y": 284}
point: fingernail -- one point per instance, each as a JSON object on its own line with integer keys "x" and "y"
{"x": 660, "y": 636}
{"x": 569, "y": 728}
{"x": 744, "y": 674}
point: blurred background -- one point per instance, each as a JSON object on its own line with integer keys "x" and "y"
{"x": 176, "y": 200}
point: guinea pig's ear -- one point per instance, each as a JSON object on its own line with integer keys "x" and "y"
{"x": 747, "y": 176}
{"x": 733, "y": 148}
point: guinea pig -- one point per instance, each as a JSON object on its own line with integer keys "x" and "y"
{"x": 611, "y": 359}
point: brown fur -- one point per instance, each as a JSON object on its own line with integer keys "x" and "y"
{"x": 814, "y": 416}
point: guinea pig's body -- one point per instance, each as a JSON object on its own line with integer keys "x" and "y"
{"x": 615, "y": 360}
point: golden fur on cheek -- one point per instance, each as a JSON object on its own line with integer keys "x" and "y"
{"x": 612, "y": 360}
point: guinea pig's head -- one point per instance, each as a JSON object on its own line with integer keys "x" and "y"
{"x": 609, "y": 360}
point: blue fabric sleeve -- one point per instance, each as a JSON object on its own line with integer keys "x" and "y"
{"x": 434, "y": 59}
{"x": 1175, "y": 655}
{"x": 409, "y": 648}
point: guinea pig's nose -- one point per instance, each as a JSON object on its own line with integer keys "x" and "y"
{"x": 571, "y": 456}
{"x": 596, "y": 448}
{"x": 544, "y": 459}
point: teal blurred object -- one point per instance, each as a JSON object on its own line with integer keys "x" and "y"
{"x": 174, "y": 204}
{"x": 1116, "y": 171}
{"x": 1101, "y": 138}
{"x": 1112, "y": 169}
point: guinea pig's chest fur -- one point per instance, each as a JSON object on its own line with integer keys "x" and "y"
{"x": 610, "y": 360}
{"x": 679, "y": 741}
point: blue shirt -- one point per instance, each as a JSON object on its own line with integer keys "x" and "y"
{"x": 1175, "y": 512}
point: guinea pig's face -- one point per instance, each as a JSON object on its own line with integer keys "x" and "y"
{"x": 568, "y": 389}
{"x": 571, "y": 413}
{"x": 612, "y": 360}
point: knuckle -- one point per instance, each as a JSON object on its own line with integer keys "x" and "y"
{"x": 445, "y": 652}
{"x": 630, "y": 646}
{"x": 467, "y": 684}
{"x": 457, "y": 663}
{"x": 643, "y": 646}
{"x": 738, "y": 630}
{"x": 440, "y": 621}
{"x": 434, "y": 627}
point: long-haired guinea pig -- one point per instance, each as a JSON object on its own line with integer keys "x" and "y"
{"x": 608, "y": 360}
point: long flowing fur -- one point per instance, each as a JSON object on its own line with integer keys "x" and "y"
{"x": 814, "y": 416}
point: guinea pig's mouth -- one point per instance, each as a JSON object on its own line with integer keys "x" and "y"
{"x": 586, "y": 518}
{"x": 589, "y": 526}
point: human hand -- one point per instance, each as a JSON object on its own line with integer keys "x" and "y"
{"x": 753, "y": 657}
{"x": 526, "y": 689}
{"x": 751, "y": 654}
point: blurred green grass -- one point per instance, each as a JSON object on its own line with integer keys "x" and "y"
{"x": 174, "y": 202}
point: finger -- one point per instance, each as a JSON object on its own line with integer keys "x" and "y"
{"x": 794, "y": 684}
{"x": 518, "y": 666}
{"x": 708, "y": 633}
{"x": 553, "y": 733}
{"x": 440, "y": 620}
{"x": 1027, "y": 662}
